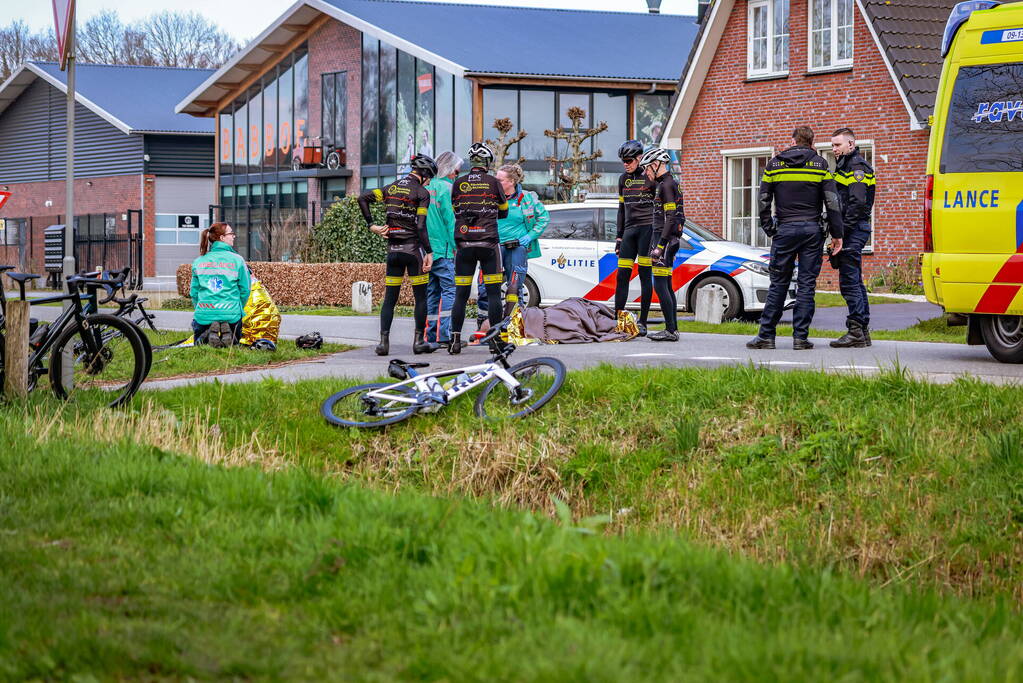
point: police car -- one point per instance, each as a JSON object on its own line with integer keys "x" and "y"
{"x": 578, "y": 260}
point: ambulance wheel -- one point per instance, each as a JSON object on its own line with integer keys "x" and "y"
{"x": 1003, "y": 336}
{"x": 731, "y": 299}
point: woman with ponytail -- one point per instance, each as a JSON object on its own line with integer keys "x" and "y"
{"x": 220, "y": 288}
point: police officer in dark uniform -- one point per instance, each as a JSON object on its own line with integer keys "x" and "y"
{"x": 798, "y": 184}
{"x": 855, "y": 180}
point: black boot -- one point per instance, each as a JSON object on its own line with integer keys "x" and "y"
{"x": 384, "y": 347}
{"x": 420, "y": 345}
{"x": 456, "y": 343}
{"x": 856, "y": 338}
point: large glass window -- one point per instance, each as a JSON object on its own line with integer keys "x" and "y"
{"x": 406, "y": 110}
{"x": 333, "y": 110}
{"x": 984, "y": 131}
{"x": 226, "y": 143}
{"x": 614, "y": 111}
{"x": 500, "y": 104}
{"x": 742, "y": 198}
{"x": 241, "y": 135}
{"x": 768, "y": 37}
{"x": 463, "y": 115}
{"x": 537, "y": 108}
{"x": 445, "y": 110}
{"x": 270, "y": 122}
{"x": 255, "y": 131}
{"x": 285, "y": 114}
{"x": 301, "y": 96}
{"x": 424, "y": 108}
{"x": 651, "y": 113}
{"x": 370, "y": 102}
{"x": 388, "y": 105}
{"x": 831, "y": 33}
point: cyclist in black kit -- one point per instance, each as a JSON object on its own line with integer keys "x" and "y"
{"x": 478, "y": 201}
{"x": 669, "y": 219}
{"x": 635, "y": 227}
{"x": 408, "y": 246}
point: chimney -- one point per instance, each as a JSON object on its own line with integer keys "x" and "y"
{"x": 654, "y": 6}
{"x": 702, "y": 6}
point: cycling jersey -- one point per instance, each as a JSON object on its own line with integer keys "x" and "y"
{"x": 635, "y": 201}
{"x": 478, "y": 200}
{"x": 669, "y": 216}
{"x": 406, "y": 202}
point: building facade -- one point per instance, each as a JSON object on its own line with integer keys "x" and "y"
{"x": 143, "y": 175}
{"x": 378, "y": 81}
{"x": 760, "y": 68}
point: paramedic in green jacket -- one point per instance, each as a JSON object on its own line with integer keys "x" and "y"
{"x": 519, "y": 234}
{"x": 220, "y": 288}
{"x": 440, "y": 224}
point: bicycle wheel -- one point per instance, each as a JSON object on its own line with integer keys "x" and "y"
{"x": 539, "y": 379}
{"x": 108, "y": 359}
{"x": 353, "y": 408}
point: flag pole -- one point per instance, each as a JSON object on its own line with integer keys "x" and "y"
{"x": 69, "y": 221}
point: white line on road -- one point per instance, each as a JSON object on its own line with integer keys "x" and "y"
{"x": 779, "y": 362}
{"x": 647, "y": 355}
{"x": 855, "y": 367}
{"x": 714, "y": 358}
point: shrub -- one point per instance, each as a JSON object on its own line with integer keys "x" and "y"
{"x": 342, "y": 235}
{"x": 898, "y": 277}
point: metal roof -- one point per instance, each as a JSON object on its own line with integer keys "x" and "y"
{"x": 135, "y": 99}
{"x": 479, "y": 40}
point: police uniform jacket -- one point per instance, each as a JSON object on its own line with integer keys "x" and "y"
{"x": 855, "y": 180}
{"x": 798, "y": 184}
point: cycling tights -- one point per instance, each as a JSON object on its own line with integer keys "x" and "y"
{"x": 663, "y": 267}
{"x": 489, "y": 260}
{"x": 397, "y": 263}
{"x": 635, "y": 241}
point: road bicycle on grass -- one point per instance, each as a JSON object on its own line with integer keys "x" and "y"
{"x": 509, "y": 391}
{"x": 88, "y": 352}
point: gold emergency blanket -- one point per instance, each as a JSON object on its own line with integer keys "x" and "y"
{"x": 262, "y": 319}
{"x": 573, "y": 321}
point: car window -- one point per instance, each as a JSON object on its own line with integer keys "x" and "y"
{"x": 701, "y": 232}
{"x": 609, "y": 219}
{"x": 570, "y": 224}
{"x": 985, "y": 120}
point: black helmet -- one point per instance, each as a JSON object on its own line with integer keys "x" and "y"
{"x": 481, "y": 155}
{"x": 425, "y": 166}
{"x": 263, "y": 345}
{"x": 313, "y": 340}
{"x": 630, "y": 149}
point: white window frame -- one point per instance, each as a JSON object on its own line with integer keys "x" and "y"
{"x": 728, "y": 156}
{"x": 771, "y": 69}
{"x": 176, "y": 231}
{"x": 869, "y": 153}
{"x": 834, "y": 64}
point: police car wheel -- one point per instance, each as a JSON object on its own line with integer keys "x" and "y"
{"x": 532, "y": 293}
{"x": 1003, "y": 336}
{"x": 730, "y": 296}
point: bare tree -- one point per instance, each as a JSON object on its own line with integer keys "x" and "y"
{"x": 572, "y": 173}
{"x": 186, "y": 39}
{"x": 18, "y": 44}
{"x": 503, "y": 143}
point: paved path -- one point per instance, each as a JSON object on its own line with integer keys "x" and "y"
{"x": 932, "y": 361}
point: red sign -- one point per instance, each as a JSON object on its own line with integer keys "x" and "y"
{"x": 4, "y": 196}
{"x": 63, "y": 16}
{"x": 425, "y": 83}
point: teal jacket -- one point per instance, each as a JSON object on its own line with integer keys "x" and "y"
{"x": 440, "y": 218}
{"x": 220, "y": 285}
{"x": 526, "y": 222}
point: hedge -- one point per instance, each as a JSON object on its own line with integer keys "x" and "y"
{"x": 342, "y": 235}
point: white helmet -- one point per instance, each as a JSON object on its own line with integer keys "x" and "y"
{"x": 480, "y": 154}
{"x": 653, "y": 155}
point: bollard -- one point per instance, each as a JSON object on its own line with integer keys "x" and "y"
{"x": 362, "y": 297}
{"x": 16, "y": 350}
{"x": 709, "y": 305}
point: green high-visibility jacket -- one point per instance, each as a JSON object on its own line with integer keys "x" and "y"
{"x": 220, "y": 285}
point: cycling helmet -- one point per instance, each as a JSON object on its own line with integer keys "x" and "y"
{"x": 312, "y": 340}
{"x": 481, "y": 155}
{"x": 653, "y": 155}
{"x": 424, "y": 166}
{"x": 263, "y": 345}
{"x": 630, "y": 149}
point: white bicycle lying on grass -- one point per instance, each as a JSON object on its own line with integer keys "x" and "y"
{"x": 511, "y": 391}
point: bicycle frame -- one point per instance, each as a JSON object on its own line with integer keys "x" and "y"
{"x": 483, "y": 374}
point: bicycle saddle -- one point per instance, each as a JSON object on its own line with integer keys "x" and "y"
{"x": 23, "y": 277}
{"x": 404, "y": 364}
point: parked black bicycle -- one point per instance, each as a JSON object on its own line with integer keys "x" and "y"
{"x": 89, "y": 353}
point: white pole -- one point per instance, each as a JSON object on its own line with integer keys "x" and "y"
{"x": 69, "y": 221}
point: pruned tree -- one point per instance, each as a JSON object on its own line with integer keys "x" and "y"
{"x": 571, "y": 171}
{"x": 18, "y": 45}
{"x": 503, "y": 143}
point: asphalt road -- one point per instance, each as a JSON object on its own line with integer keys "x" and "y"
{"x": 933, "y": 362}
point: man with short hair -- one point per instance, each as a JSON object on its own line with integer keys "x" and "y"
{"x": 855, "y": 180}
{"x": 798, "y": 185}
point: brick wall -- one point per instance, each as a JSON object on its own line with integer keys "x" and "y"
{"x": 335, "y": 46}
{"x": 112, "y": 194}
{"x": 732, "y": 114}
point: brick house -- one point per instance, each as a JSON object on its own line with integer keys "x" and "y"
{"x": 141, "y": 171}
{"x": 382, "y": 80}
{"x": 759, "y": 68}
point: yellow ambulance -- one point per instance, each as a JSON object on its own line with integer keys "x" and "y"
{"x": 973, "y": 225}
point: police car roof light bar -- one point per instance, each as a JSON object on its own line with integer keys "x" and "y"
{"x": 958, "y": 16}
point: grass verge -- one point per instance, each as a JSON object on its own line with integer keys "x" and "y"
{"x": 122, "y": 560}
